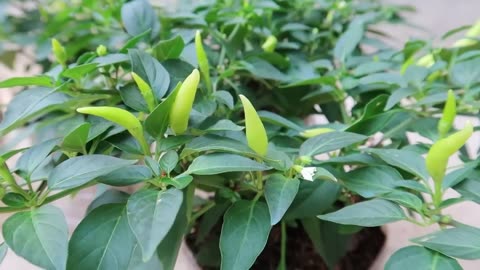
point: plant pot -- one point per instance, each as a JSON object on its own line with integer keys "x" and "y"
{"x": 362, "y": 248}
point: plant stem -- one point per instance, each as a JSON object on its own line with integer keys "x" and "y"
{"x": 8, "y": 177}
{"x": 283, "y": 247}
{"x": 437, "y": 196}
{"x": 203, "y": 210}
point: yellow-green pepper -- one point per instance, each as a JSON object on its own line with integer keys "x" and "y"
{"x": 182, "y": 106}
{"x": 256, "y": 134}
{"x": 145, "y": 90}
{"x": 270, "y": 44}
{"x": 59, "y": 52}
{"x": 449, "y": 112}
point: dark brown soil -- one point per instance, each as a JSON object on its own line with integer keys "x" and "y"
{"x": 301, "y": 255}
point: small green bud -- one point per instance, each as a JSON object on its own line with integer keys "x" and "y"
{"x": 304, "y": 160}
{"x": 101, "y": 50}
{"x": 270, "y": 44}
{"x": 298, "y": 168}
{"x": 59, "y": 52}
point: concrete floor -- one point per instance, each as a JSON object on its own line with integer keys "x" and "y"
{"x": 436, "y": 17}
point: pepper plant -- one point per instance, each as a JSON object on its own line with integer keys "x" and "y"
{"x": 202, "y": 112}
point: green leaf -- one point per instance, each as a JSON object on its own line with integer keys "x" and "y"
{"x": 102, "y": 241}
{"x": 139, "y": 16}
{"x": 279, "y": 194}
{"x": 3, "y": 251}
{"x": 41, "y": 80}
{"x": 151, "y": 71}
{"x": 460, "y": 242}
{"x": 403, "y": 159}
{"x": 151, "y": 214}
{"x": 371, "y": 213}
{"x": 221, "y": 163}
{"x": 397, "y": 96}
{"x": 169, "y": 161}
{"x": 262, "y": 69}
{"x": 225, "y": 98}
{"x": 77, "y": 72}
{"x": 132, "y": 98}
{"x": 33, "y": 158}
{"x": 180, "y": 181}
{"x": 169, "y": 49}
{"x": 245, "y": 230}
{"x": 466, "y": 73}
{"x": 217, "y": 143}
{"x": 137, "y": 263}
{"x": 76, "y": 139}
{"x": 77, "y": 171}
{"x": 327, "y": 142}
{"x": 469, "y": 189}
{"x": 370, "y": 182}
{"x": 405, "y": 199}
{"x": 224, "y": 124}
{"x": 331, "y": 244}
{"x": 415, "y": 257}
{"x": 348, "y": 41}
{"x": 109, "y": 196}
{"x": 31, "y": 104}
{"x": 322, "y": 194}
{"x": 127, "y": 175}
{"x": 39, "y": 235}
{"x": 157, "y": 122}
{"x": 269, "y": 117}
{"x": 383, "y": 78}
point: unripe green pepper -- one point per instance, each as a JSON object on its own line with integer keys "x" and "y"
{"x": 426, "y": 61}
{"x": 449, "y": 112}
{"x": 256, "y": 134}
{"x": 101, "y": 50}
{"x": 182, "y": 106}
{"x": 59, "y": 52}
{"x": 145, "y": 90}
{"x": 270, "y": 44}
{"x": 203, "y": 61}
{"x": 122, "y": 117}
{"x": 309, "y": 133}
{"x": 437, "y": 158}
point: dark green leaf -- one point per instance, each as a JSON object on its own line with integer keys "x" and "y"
{"x": 109, "y": 196}
{"x": 77, "y": 171}
{"x": 139, "y": 16}
{"x": 3, "y": 251}
{"x": 127, "y": 175}
{"x": 328, "y": 142}
{"x": 180, "y": 181}
{"x": 39, "y": 235}
{"x": 415, "y": 257}
{"x": 151, "y": 214}
{"x": 33, "y": 157}
{"x": 151, "y": 71}
{"x": 42, "y": 80}
{"x": 246, "y": 226}
{"x": 370, "y": 182}
{"x": 77, "y": 72}
{"x": 76, "y": 139}
{"x": 217, "y": 143}
{"x": 102, "y": 241}
{"x": 469, "y": 189}
{"x": 322, "y": 194}
{"x": 279, "y": 194}
{"x": 132, "y": 97}
{"x": 403, "y": 159}
{"x": 169, "y": 49}
{"x": 225, "y": 98}
{"x": 169, "y": 161}
{"x": 461, "y": 242}
{"x": 157, "y": 122}
{"x": 220, "y": 163}
{"x": 269, "y": 117}
{"x": 405, "y": 199}
{"x": 348, "y": 41}
{"x": 30, "y": 104}
{"x": 371, "y": 213}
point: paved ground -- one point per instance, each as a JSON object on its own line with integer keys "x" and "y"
{"x": 437, "y": 17}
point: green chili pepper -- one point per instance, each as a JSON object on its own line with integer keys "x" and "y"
{"x": 203, "y": 61}
{"x": 101, "y": 50}
{"x": 122, "y": 117}
{"x": 449, "y": 112}
{"x": 437, "y": 158}
{"x": 270, "y": 44}
{"x": 256, "y": 135}
{"x": 145, "y": 90}
{"x": 59, "y": 52}
{"x": 182, "y": 106}
{"x": 470, "y": 37}
{"x": 309, "y": 133}
{"x": 426, "y": 61}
